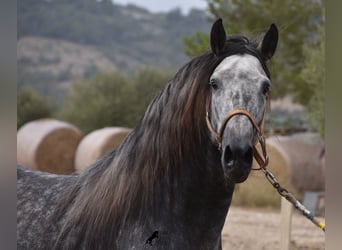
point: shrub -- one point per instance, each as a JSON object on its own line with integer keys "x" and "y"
{"x": 104, "y": 100}
{"x": 31, "y": 106}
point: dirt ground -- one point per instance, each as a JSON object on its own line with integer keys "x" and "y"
{"x": 259, "y": 229}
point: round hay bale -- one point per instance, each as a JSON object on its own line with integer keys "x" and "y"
{"x": 48, "y": 145}
{"x": 94, "y": 145}
{"x": 256, "y": 190}
{"x": 305, "y": 160}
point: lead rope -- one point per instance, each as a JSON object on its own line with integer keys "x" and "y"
{"x": 282, "y": 191}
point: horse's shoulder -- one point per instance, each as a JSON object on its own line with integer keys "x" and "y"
{"x": 38, "y": 194}
{"x": 40, "y": 184}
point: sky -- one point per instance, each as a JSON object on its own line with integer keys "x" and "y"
{"x": 166, "y": 5}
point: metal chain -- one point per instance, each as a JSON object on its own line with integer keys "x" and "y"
{"x": 290, "y": 197}
{"x": 263, "y": 162}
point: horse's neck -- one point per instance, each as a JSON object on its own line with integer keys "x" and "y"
{"x": 177, "y": 170}
{"x": 203, "y": 202}
{"x": 195, "y": 208}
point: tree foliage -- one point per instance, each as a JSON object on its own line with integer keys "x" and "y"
{"x": 111, "y": 99}
{"x": 314, "y": 74}
{"x": 147, "y": 83}
{"x": 31, "y": 106}
{"x": 196, "y": 44}
{"x": 298, "y": 23}
{"x": 101, "y": 101}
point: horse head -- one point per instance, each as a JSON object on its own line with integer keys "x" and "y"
{"x": 240, "y": 86}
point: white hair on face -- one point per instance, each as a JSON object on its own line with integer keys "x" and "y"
{"x": 239, "y": 79}
{"x": 236, "y": 63}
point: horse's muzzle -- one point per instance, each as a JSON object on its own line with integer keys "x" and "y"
{"x": 237, "y": 162}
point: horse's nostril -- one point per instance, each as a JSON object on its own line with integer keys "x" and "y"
{"x": 232, "y": 155}
{"x": 227, "y": 155}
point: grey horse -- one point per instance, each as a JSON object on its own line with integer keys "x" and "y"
{"x": 169, "y": 185}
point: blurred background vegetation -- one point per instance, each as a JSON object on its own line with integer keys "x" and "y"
{"x": 109, "y": 99}
{"x": 96, "y": 63}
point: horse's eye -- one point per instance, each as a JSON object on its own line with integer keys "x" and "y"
{"x": 265, "y": 87}
{"x": 213, "y": 84}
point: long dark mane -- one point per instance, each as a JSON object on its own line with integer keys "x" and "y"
{"x": 128, "y": 183}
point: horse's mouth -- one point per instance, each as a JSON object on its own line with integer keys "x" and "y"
{"x": 237, "y": 174}
{"x": 236, "y": 168}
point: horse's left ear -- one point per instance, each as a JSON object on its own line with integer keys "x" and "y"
{"x": 217, "y": 37}
{"x": 269, "y": 42}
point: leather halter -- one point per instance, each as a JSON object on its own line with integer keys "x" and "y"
{"x": 262, "y": 160}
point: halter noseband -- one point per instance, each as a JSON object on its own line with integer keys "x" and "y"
{"x": 262, "y": 161}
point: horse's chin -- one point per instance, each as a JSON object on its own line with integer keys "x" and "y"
{"x": 237, "y": 174}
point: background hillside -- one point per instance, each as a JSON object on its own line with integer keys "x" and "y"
{"x": 60, "y": 40}
{"x": 87, "y": 61}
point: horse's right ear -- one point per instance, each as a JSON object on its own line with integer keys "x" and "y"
{"x": 269, "y": 42}
{"x": 217, "y": 37}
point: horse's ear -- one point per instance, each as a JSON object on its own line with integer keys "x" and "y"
{"x": 269, "y": 42}
{"x": 217, "y": 37}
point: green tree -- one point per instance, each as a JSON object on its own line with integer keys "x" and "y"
{"x": 103, "y": 100}
{"x": 147, "y": 83}
{"x": 31, "y": 106}
{"x": 111, "y": 99}
{"x": 314, "y": 74}
{"x": 196, "y": 44}
{"x": 298, "y": 23}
